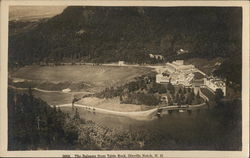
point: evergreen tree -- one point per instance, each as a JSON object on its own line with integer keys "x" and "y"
{"x": 184, "y": 91}
{"x": 121, "y": 99}
{"x": 170, "y": 88}
{"x": 218, "y": 95}
{"x": 37, "y": 125}
{"x": 30, "y": 91}
{"x": 76, "y": 115}
{"x": 162, "y": 89}
{"x": 180, "y": 90}
{"x": 177, "y": 98}
{"x": 192, "y": 95}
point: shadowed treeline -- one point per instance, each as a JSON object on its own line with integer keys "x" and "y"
{"x": 34, "y": 125}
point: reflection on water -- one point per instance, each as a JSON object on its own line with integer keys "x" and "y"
{"x": 198, "y": 129}
{"x": 114, "y": 121}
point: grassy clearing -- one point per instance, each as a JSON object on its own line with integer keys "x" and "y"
{"x": 96, "y": 77}
{"x": 112, "y": 104}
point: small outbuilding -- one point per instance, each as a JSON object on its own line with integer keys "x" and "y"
{"x": 121, "y": 63}
{"x": 67, "y": 90}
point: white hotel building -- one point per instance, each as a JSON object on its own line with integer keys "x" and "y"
{"x": 177, "y": 73}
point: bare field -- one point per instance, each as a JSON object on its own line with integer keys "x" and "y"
{"x": 96, "y": 77}
{"x": 112, "y": 104}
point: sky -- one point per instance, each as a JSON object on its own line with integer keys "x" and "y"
{"x": 33, "y": 12}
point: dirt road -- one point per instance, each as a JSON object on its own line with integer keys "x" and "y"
{"x": 138, "y": 115}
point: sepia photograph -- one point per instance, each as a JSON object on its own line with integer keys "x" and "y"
{"x": 111, "y": 78}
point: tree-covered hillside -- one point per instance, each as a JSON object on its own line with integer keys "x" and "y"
{"x": 107, "y": 34}
{"x": 34, "y": 125}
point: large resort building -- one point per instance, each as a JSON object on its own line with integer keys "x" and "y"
{"x": 178, "y": 65}
{"x": 177, "y": 73}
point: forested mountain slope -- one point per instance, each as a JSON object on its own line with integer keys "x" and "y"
{"x": 106, "y": 34}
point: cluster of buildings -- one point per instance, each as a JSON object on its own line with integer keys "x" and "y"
{"x": 121, "y": 63}
{"x": 156, "y": 56}
{"x": 181, "y": 51}
{"x": 178, "y": 66}
{"x": 215, "y": 83}
{"x": 177, "y": 73}
{"x": 160, "y": 57}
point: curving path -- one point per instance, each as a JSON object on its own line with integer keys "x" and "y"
{"x": 47, "y": 91}
{"x": 138, "y": 115}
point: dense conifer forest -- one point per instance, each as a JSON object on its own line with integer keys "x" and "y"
{"x": 109, "y": 34}
{"x": 99, "y": 33}
{"x": 34, "y": 125}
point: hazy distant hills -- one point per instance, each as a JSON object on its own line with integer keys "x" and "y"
{"x": 27, "y": 13}
{"x": 107, "y": 34}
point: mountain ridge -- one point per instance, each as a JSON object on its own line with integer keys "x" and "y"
{"x": 108, "y": 34}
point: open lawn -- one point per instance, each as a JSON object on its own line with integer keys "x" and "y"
{"x": 112, "y": 104}
{"x": 95, "y": 77}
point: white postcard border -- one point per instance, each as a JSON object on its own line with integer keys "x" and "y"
{"x": 4, "y": 73}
